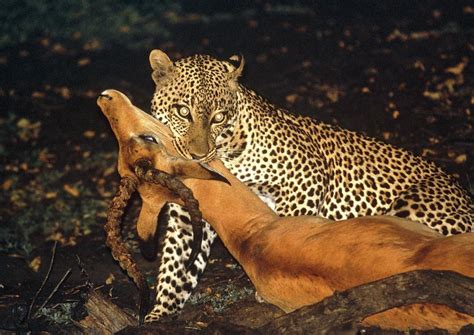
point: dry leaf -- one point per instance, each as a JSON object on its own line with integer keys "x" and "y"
{"x": 109, "y": 171}
{"x": 71, "y": 190}
{"x": 38, "y": 95}
{"x": 419, "y": 35}
{"x": 395, "y": 35}
{"x": 23, "y": 123}
{"x": 7, "y": 184}
{"x": 28, "y": 130}
{"x": 77, "y": 35}
{"x": 332, "y": 95}
{"x": 201, "y": 324}
{"x": 419, "y": 65}
{"x": 89, "y": 134}
{"x": 124, "y": 29}
{"x": 90, "y": 94}
{"x": 84, "y": 61}
{"x": 51, "y": 195}
{"x": 461, "y": 159}
{"x": 46, "y": 157}
{"x": 110, "y": 279}
{"x": 459, "y": 68}
{"x": 57, "y": 236}
{"x": 65, "y": 92}
{"x": 102, "y": 215}
{"x": 291, "y": 98}
{"x": 92, "y": 45}
{"x": 449, "y": 84}
{"x": 432, "y": 95}
{"x": 306, "y": 64}
{"x": 428, "y": 152}
{"x": 58, "y": 48}
{"x": 436, "y": 13}
{"x": 252, "y": 23}
{"x": 35, "y": 264}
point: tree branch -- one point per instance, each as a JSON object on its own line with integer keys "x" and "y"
{"x": 424, "y": 286}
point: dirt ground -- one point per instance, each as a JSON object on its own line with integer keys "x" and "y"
{"x": 398, "y": 71}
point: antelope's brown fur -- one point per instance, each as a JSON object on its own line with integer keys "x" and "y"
{"x": 297, "y": 264}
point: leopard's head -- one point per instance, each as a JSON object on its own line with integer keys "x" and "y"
{"x": 196, "y": 98}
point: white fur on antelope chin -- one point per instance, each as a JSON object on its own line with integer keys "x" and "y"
{"x": 268, "y": 200}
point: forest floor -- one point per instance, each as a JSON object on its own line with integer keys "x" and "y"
{"x": 399, "y": 72}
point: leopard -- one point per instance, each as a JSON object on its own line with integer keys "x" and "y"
{"x": 298, "y": 165}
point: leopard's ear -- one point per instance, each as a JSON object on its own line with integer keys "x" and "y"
{"x": 163, "y": 67}
{"x": 237, "y": 71}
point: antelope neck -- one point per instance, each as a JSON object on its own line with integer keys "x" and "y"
{"x": 234, "y": 211}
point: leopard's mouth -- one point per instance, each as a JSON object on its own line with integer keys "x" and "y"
{"x": 183, "y": 152}
{"x": 210, "y": 156}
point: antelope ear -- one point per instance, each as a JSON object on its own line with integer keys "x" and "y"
{"x": 163, "y": 67}
{"x": 236, "y": 72}
{"x": 187, "y": 168}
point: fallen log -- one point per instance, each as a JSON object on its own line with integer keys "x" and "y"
{"x": 423, "y": 286}
{"x": 104, "y": 317}
{"x": 329, "y": 316}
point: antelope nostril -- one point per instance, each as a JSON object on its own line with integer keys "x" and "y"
{"x": 102, "y": 95}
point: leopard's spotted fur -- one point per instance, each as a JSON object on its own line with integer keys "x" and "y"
{"x": 298, "y": 165}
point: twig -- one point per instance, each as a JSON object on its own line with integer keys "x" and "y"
{"x": 44, "y": 281}
{"x": 84, "y": 273}
{"x": 75, "y": 289}
{"x": 68, "y": 272}
{"x": 227, "y": 280}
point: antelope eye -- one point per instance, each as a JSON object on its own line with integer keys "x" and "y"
{"x": 148, "y": 138}
{"x": 219, "y": 118}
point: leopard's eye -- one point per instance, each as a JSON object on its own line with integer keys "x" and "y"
{"x": 219, "y": 117}
{"x": 183, "y": 111}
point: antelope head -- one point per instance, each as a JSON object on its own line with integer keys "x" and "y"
{"x": 142, "y": 137}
